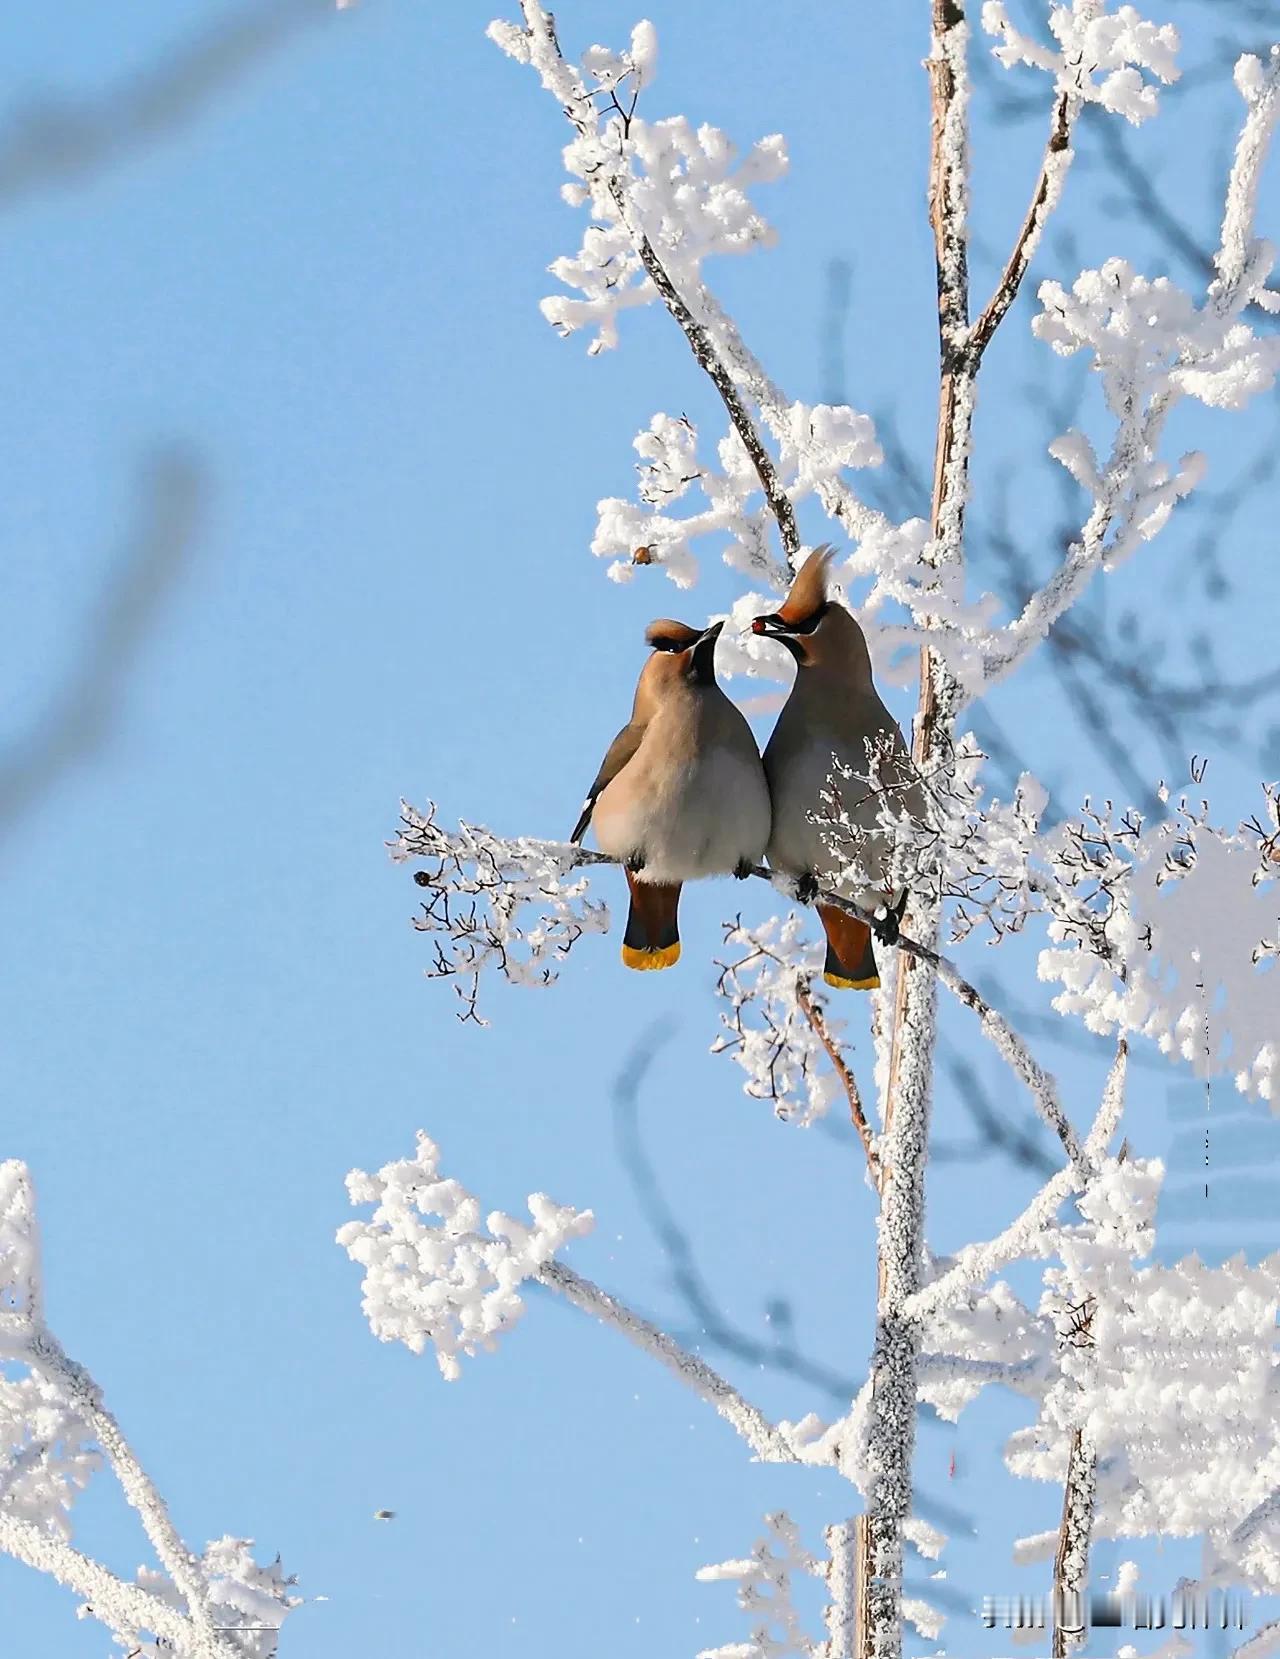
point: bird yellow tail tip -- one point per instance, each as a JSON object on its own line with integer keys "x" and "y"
{"x": 840, "y": 984}
{"x": 651, "y": 958}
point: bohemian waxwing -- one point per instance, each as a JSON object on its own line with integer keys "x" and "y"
{"x": 681, "y": 792}
{"x": 833, "y": 710}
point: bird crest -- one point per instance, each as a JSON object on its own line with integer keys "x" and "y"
{"x": 808, "y": 592}
{"x": 666, "y": 635}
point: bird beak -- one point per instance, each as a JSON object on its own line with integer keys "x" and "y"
{"x": 702, "y": 655}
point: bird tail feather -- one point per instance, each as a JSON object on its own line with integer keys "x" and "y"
{"x": 652, "y": 937}
{"x": 851, "y": 960}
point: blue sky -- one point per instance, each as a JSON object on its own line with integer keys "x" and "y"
{"x": 324, "y": 287}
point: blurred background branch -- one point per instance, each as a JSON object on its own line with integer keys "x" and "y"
{"x": 172, "y": 499}
{"x": 50, "y": 140}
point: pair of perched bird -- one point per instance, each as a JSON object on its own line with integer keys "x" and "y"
{"x": 683, "y": 791}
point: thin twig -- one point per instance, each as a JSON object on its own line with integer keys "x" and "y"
{"x": 709, "y": 360}
{"x": 840, "y": 1066}
{"x": 1057, "y": 158}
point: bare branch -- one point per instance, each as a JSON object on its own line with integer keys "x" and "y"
{"x": 841, "y": 1068}
{"x": 1053, "y": 172}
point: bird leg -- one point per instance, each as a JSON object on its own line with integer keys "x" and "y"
{"x": 636, "y": 860}
{"x": 889, "y": 926}
{"x": 743, "y": 868}
{"x": 807, "y": 887}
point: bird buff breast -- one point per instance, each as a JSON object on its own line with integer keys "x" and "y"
{"x": 692, "y": 801}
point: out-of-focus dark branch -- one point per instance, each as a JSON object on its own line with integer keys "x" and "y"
{"x": 1146, "y": 200}
{"x": 712, "y": 1327}
{"x": 79, "y": 718}
{"x": 686, "y": 1277}
{"x": 56, "y": 140}
{"x": 995, "y": 1133}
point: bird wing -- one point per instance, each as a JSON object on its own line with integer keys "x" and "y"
{"x": 620, "y": 752}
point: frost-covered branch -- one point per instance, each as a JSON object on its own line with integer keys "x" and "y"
{"x": 704, "y": 351}
{"x": 766, "y": 1439}
{"x": 842, "y": 1541}
{"x": 480, "y": 883}
{"x": 125, "y": 1608}
{"x": 662, "y": 198}
{"x": 85, "y": 1399}
{"x": 54, "y": 1430}
{"x": 606, "y": 166}
{"x": 436, "y": 1274}
{"x": 906, "y": 1097}
{"x": 1023, "y": 1236}
{"x": 1153, "y": 346}
{"x": 1071, "y": 1561}
{"x": 763, "y": 1582}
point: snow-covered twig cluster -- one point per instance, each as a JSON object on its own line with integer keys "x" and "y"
{"x": 55, "y": 1431}
{"x": 763, "y": 1581}
{"x": 1092, "y": 43}
{"x": 1190, "y": 913}
{"x": 452, "y": 1282}
{"x": 767, "y": 1029}
{"x": 1164, "y": 930}
{"x": 1153, "y": 345}
{"x": 817, "y": 445}
{"x": 453, "y": 1286}
{"x": 511, "y": 905}
{"x": 1168, "y": 1374}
